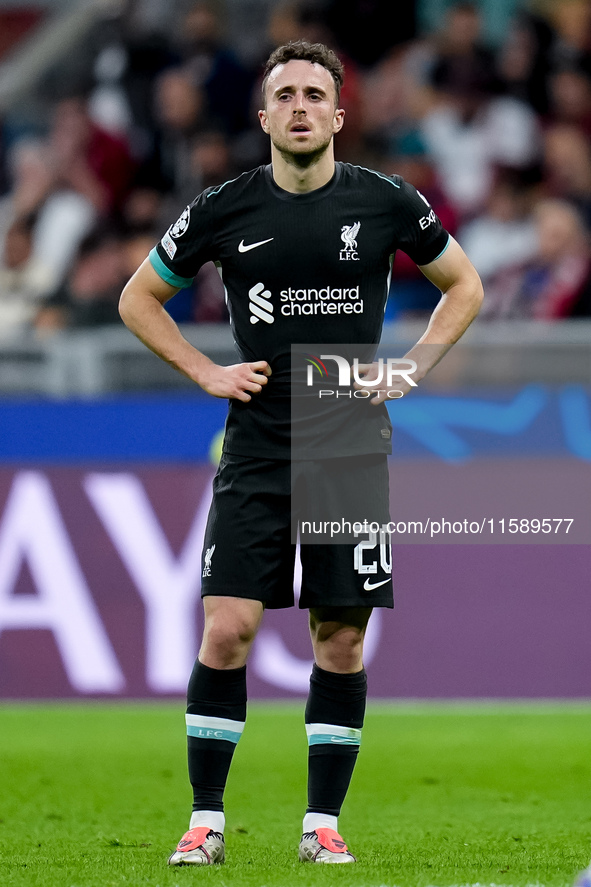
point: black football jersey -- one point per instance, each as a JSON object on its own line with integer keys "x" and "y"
{"x": 301, "y": 268}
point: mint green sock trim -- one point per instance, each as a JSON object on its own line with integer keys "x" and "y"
{"x": 332, "y": 739}
{"x": 210, "y": 733}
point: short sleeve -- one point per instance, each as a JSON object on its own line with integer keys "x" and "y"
{"x": 421, "y": 234}
{"x": 186, "y": 246}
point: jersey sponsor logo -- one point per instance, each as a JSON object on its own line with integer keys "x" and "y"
{"x": 168, "y": 245}
{"x": 207, "y": 562}
{"x": 261, "y": 307}
{"x": 425, "y": 221}
{"x": 369, "y": 586}
{"x": 180, "y": 226}
{"x": 349, "y": 237}
{"x": 243, "y": 248}
{"x": 297, "y": 302}
{"x": 322, "y": 300}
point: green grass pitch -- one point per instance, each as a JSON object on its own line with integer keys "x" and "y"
{"x": 96, "y": 796}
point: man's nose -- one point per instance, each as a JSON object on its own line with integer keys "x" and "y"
{"x": 298, "y": 105}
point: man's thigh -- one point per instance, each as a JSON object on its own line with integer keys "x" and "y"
{"x": 332, "y": 576}
{"x": 247, "y": 552}
{"x": 348, "y": 573}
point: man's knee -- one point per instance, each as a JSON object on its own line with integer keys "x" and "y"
{"x": 229, "y": 632}
{"x": 230, "y": 628}
{"x": 328, "y": 622}
{"x": 337, "y": 637}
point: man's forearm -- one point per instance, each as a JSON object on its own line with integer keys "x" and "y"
{"x": 142, "y": 310}
{"x": 451, "y": 318}
{"x": 147, "y": 319}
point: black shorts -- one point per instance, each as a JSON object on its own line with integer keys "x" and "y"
{"x": 249, "y": 549}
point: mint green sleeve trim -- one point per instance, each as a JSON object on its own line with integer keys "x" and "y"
{"x": 165, "y": 273}
{"x": 443, "y": 250}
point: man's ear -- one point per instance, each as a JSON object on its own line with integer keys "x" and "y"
{"x": 339, "y": 119}
{"x": 264, "y": 121}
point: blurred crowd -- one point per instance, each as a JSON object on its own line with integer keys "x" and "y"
{"x": 163, "y": 105}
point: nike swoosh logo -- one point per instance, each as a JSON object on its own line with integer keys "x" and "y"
{"x": 244, "y": 249}
{"x": 369, "y": 587}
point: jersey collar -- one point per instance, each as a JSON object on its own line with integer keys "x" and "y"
{"x": 309, "y": 196}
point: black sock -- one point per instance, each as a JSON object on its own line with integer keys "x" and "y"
{"x": 334, "y": 717}
{"x": 214, "y": 696}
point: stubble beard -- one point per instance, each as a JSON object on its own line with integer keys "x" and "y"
{"x": 302, "y": 159}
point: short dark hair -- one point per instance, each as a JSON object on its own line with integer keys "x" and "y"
{"x": 301, "y": 50}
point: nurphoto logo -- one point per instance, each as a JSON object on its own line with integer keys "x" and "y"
{"x": 361, "y": 374}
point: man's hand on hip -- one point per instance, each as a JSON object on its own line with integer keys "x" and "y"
{"x": 237, "y": 382}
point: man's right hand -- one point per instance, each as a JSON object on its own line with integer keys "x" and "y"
{"x": 142, "y": 309}
{"x": 236, "y": 382}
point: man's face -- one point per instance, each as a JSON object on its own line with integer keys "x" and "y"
{"x": 300, "y": 114}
